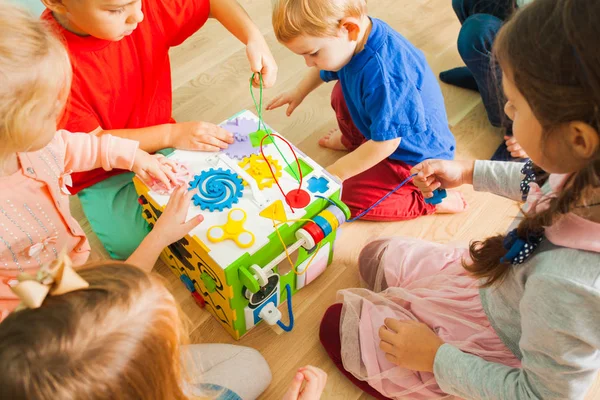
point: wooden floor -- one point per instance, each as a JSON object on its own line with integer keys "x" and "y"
{"x": 210, "y": 82}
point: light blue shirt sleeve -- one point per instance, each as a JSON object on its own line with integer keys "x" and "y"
{"x": 501, "y": 178}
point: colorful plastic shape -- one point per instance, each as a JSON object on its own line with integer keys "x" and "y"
{"x": 275, "y": 211}
{"x": 257, "y": 137}
{"x": 240, "y": 149}
{"x": 189, "y": 285}
{"x": 240, "y": 127}
{"x": 297, "y": 198}
{"x": 217, "y": 189}
{"x": 199, "y": 299}
{"x": 438, "y": 196}
{"x": 233, "y": 230}
{"x": 304, "y": 167}
{"x": 318, "y": 185}
{"x": 241, "y": 146}
{"x": 209, "y": 282}
{"x": 258, "y": 168}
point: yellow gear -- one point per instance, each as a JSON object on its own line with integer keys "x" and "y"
{"x": 257, "y": 167}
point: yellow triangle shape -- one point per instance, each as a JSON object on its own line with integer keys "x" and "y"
{"x": 275, "y": 211}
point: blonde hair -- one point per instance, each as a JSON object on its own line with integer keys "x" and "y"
{"x": 35, "y": 77}
{"x": 318, "y": 18}
{"x": 117, "y": 339}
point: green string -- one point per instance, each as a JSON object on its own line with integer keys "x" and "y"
{"x": 259, "y": 108}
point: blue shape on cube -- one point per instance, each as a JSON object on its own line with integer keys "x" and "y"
{"x": 218, "y": 189}
{"x": 189, "y": 285}
{"x": 318, "y": 185}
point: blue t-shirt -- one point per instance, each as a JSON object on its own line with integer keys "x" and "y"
{"x": 392, "y": 93}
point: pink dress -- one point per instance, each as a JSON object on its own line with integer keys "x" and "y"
{"x": 35, "y": 219}
{"x": 426, "y": 282}
{"x": 422, "y": 281}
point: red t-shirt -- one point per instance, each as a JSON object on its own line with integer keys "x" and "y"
{"x": 126, "y": 84}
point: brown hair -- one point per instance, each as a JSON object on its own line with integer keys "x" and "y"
{"x": 117, "y": 339}
{"x": 549, "y": 50}
{"x": 292, "y": 18}
{"x": 35, "y": 77}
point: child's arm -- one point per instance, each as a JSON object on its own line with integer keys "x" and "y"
{"x": 501, "y": 178}
{"x": 364, "y": 157}
{"x": 84, "y": 152}
{"x": 170, "y": 227}
{"x": 233, "y": 17}
{"x": 192, "y": 135}
{"x": 311, "y": 81}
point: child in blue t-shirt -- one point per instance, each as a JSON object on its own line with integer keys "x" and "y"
{"x": 388, "y": 103}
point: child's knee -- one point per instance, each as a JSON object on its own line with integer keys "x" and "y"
{"x": 329, "y": 332}
{"x": 476, "y": 36}
{"x": 369, "y": 263}
{"x": 121, "y": 246}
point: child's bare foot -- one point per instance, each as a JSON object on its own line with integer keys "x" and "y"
{"x": 333, "y": 140}
{"x": 453, "y": 204}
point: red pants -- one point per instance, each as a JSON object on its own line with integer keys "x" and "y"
{"x": 364, "y": 189}
{"x": 330, "y": 339}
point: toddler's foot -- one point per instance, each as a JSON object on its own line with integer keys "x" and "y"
{"x": 453, "y": 204}
{"x": 461, "y": 77}
{"x": 333, "y": 140}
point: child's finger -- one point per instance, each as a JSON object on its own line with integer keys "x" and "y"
{"x": 424, "y": 170}
{"x": 198, "y": 146}
{"x": 269, "y": 75}
{"x": 293, "y": 392}
{"x": 168, "y": 170}
{"x": 143, "y": 175}
{"x": 193, "y": 222}
{"x": 391, "y": 358}
{"x": 386, "y": 347}
{"x": 291, "y": 109}
{"x": 386, "y": 334}
{"x": 176, "y": 198}
{"x": 159, "y": 174}
{"x": 168, "y": 162}
{"x": 318, "y": 376}
{"x": 394, "y": 324}
{"x": 276, "y": 102}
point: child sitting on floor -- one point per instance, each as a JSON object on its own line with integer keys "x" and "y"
{"x": 122, "y": 86}
{"x": 36, "y": 161}
{"x": 388, "y": 103}
{"x": 114, "y": 332}
{"x": 515, "y": 316}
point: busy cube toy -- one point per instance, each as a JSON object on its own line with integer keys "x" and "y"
{"x": 271, "y": 216}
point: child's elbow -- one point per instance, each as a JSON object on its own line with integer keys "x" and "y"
{"x": 391, "y": 145}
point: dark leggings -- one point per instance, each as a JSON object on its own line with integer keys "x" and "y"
{"x": 481, "y": 20}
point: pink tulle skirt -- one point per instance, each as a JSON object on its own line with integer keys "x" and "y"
{"x": 422, "y": 281}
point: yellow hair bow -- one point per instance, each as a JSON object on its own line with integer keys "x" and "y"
{"x": 56, "y": 278}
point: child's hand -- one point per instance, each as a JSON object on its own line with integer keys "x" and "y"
{"x": 514, "y": 147}
{"x": 261, "y": 61}
{"x": 314, "y": 379}
{"x": 293, "y": 98}
{"x": 445, "y": 174}
{"x": 172, "y": 226}
{"x": 200, "y": 136}
{"x": 158, "y": 166}
{"x": 409, "y": 344}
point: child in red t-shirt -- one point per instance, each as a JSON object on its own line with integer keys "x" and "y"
{"x": 122, "y": 86}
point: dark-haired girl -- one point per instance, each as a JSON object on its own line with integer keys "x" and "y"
{"x": 515, "y": 316}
